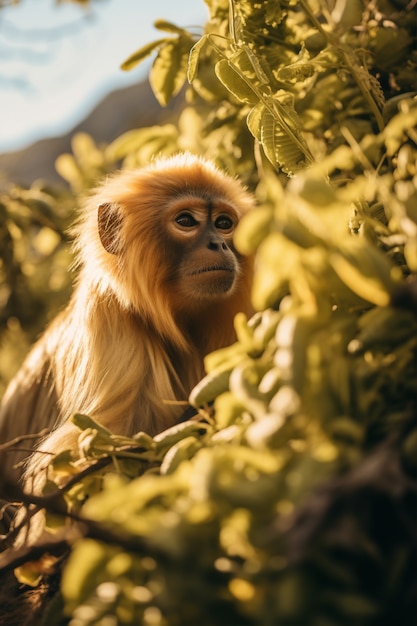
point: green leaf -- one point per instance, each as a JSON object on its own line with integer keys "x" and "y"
{"x": 169, "y": 27}
{"x": 83, "y": 422}
{"x": 248, "y": 66}
{"x": 213, "y": 384}
{"x": 134, "y": 140}
{"x": 281, "y": 144}
{"x": 181, "y": 451}
{"x": 296, "y": 72}
{"x": 141, "y": 54}
{"x": 278, "y": 259}
{"x": 170, "y": 436}
{"x": 194, "y": 58}
{"x": 67, "y": 167}
{"x": 234, "y": 82}
{"x": 79, "y": 580}
{"x": 169, "y": 71}
{"x": 366, "y": 271}
{"x": 254, "y": 120}
{"x": 253, "y": 229}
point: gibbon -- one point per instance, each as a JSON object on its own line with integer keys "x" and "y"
{"x": 158, "y": 287}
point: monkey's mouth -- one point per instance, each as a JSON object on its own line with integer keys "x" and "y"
{"x": 212, "y": 268}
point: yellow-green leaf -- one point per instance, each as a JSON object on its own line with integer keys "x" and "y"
{"x": 276, "y": 126}
{"x": 169, "y": 70}
{"x": 135, "y": 140}
{"x": 234, "y": 82}
{"x": 169, "y": 27}
{"x": 296, "y": 72}
{"x": 254, "y": 120}
{"x": 366, "y": 271}
{"x": 83, "y": 422}
{"x": 141, "y": 54}
{"x": 87, "y": 560}
{"x": 194, "y": 58}
{"x": 253, "y": 229}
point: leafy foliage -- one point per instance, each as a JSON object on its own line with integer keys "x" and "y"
{"x": 291, "y": 498}
{"x": 34, "y": 276}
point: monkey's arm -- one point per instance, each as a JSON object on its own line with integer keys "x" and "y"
{"x": 29, "y": 405}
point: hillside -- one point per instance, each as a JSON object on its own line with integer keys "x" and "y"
{"x": 121, "y": 110}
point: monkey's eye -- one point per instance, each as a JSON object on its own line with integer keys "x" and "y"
{"x": 224, "y": 223}
{"x": 186, "y": 220}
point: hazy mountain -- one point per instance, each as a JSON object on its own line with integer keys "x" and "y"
{"x": 121, "y": 110}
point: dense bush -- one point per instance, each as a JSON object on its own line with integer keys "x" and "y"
{"x": 291, "y": 498}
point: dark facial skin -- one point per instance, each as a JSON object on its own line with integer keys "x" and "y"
{"x": 202, "y": 232}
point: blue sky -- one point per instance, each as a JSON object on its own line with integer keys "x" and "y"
{"x": 57, "y": 62}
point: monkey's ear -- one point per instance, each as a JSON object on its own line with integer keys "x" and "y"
{"x": 109, "y": 223}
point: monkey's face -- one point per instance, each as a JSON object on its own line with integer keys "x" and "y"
{"x": 201, "y": 231}
{"x": 165, "y": 240}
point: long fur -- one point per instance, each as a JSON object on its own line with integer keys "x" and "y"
{"x": 125, "y": 347}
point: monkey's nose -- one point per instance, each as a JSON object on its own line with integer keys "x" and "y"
{"x": 217, "y": 245}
